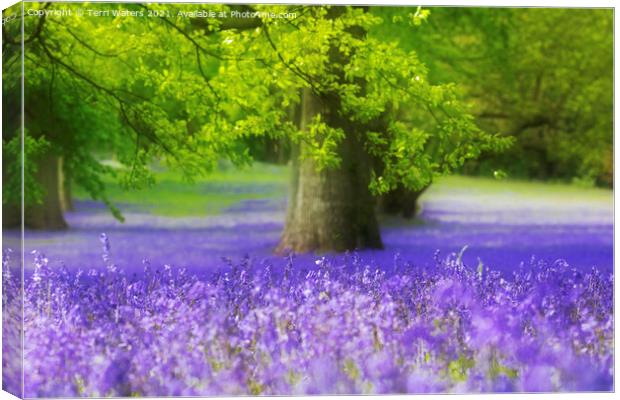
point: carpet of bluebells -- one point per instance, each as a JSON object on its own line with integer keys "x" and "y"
{"x": 332, "y": 324}
{"x": 527, "y": 306}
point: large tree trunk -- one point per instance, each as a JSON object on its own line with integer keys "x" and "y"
{"x": 47, "y": 215}
{"x": 401, "y": 201}
{"x": 330, "y": 210}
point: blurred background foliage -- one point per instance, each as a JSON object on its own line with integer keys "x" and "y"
{"x": 541, "y": 75}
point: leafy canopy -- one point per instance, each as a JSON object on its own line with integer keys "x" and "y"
{"x": 190, "y": 91}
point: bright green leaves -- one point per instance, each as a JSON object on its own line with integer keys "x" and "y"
{"x": 414, "y": 129}
{"x": 138, "y": 176}
{"x": 426, "y": 129}
{"x": 420, "y": 15}
{"x": 382, "y": 76}
{"x": 321, "y": 143}
{"x": 357, "y": 17}
{"x": 188, "y": 92}
{"x": 404, "y": 159}
{"x": 458, "y": 369}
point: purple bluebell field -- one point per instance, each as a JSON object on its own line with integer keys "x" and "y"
{"x": 514, "y": 295}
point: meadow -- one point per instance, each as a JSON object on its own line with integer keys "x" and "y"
{"x": 237, "y": 213}
{"x": 497, "y": 286}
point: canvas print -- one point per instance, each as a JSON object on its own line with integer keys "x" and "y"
{"x": 212, "y": 199}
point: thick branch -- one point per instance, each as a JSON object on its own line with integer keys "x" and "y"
{"x": 535, "y": 122}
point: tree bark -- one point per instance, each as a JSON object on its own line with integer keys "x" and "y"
{"x": 66, "y": 197}
{"x": 11, "y": 216}
{"x": 48, "y": 215}
{"x": 401, "y": 201}
{"x": 330, "y": 210}
{"x": 11, "y": 211}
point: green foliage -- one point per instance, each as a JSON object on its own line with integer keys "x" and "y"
{"x": 321, "y": 143}
{"x": 90, "y": 175}
{"x": 419, "y": 16}
{"x": 192, "y": 91}
{"x": 429, "y": 131}
{"x": 376, "y": 84}
{"x": 543, "y": 76}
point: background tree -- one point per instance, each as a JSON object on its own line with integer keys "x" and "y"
{"x": 66, "y": 120}
{"x": 524, "y": 81}
{"x": 544, "y": 76}
{"x": 352, "y": 88}
{"x": 91, "y": 90}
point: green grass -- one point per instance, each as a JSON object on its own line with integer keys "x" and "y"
{"x": 172, "y": 196}
{"x": 542, "y": 190}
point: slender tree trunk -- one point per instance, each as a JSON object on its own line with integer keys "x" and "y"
{"x": 331, "y": 210}
{"x": 11, "y": 216}
{"x": 11, "y": 212}
{"x": 47, "y": 215}
{"x": 66, "y": 197}
{"x": 401, "y": 201}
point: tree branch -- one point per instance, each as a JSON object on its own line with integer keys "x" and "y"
{"x": 86, "y": 45}
{"x": 292, "y": 67}
{"x": 109, "y": 92}
{"x": 186, "y": 35}
{"x": 37, "y": 31}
